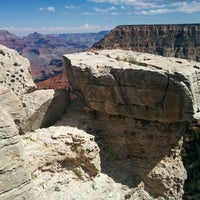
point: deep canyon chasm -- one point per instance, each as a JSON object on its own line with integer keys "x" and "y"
{"x": 116, "y": 135}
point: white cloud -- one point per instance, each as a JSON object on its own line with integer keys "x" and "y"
{"x": 190, "y": 7}
{"x": 71, "y": 7}
{"x": 88, "y": 13}
{"x": 152, "y": 7}
{"x": 136, "y": 3}
{"x": 106, "y": 10}
{"x": 155, "y": 12}
{"x": 50, "y": 9}
{"x": 183, "y": 7}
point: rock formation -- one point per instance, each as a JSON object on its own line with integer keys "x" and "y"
{"x": 118, "y": 136}
{"x": 14, "y": 177}
{"x": 140, "y": 105}
{"x": 173, "y": 40}
{"x": 21, "y": 107}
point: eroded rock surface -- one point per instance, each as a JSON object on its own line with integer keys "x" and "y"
{"x": 14, "y": 177}
{"x": 138, "y": 106}
{"x": 15, "y": 71}
{"x": 120, "y": 137}
{"x": 131, "y": 84}
{"x": 43, "y": 108}
{"x": 17, "y": 97}
{"x": 12, "y": 104}
{"x": 57, "y": 149}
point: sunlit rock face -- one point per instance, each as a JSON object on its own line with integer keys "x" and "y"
{"x": 140, "y": 105}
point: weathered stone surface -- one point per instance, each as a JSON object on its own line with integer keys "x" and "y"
{"x": 12, "y": 104}
{"x": 57, "y": 149}
{"x": 43, "y": 108}
{"x": 21, "y": 105}
{"x": 15, "y": 71}
{"x": 142, "y": 86}
{"x": 14, "y": 177}
{"x": 138, "y": 106}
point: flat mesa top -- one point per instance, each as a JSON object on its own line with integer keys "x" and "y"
{"x": 123, "y": 59}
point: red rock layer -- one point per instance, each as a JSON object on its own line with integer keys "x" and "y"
{"x": 59, "y": 81}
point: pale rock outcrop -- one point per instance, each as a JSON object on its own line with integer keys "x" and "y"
{"x": 58, "y": 149}
{"x": 14, "y": 177}
{"x": 43, "y": 108}
{"x": 12, "y": 104}
{"x": 145, "y": 86}
{"x": 15, "y": 71}
{"x": 29, "y": 108}
{"x": 137, "y": 106}
{"x": 17, "y": 97}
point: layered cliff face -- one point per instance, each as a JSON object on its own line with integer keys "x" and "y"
{"x": 138, "y": 106}
{"x": 181, "y": 41}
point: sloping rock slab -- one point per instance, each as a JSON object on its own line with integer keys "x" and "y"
{"x": 12, "y": 104}
{"x": 43, "y": 108}
{"x": 14, "y": 177}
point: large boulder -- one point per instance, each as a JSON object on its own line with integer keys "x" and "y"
{"x": 142, "y": 86}
{"x": 138, "y": 106}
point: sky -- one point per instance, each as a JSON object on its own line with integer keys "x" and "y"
{"x": 22, "y": 17}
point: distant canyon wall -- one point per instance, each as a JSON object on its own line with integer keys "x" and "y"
{"x": 45, "y": 51}
{"x": 180, "y": 41}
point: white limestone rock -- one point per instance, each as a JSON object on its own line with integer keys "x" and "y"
{"x": 43, "y": 108}
{"x": 58, "y": 149}
{"x": 12, "y": 104}
{"x": 14, "y": 177}
{"x": 15, "y": 71}
{"x": 138, "y": 85}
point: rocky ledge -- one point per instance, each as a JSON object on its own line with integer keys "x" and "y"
{"x": 140, "y": 105}
{"x": 116, "y": 135}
